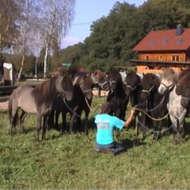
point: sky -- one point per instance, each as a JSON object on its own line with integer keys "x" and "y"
{"x": 86, "y": 12}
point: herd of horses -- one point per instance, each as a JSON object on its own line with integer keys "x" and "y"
{"x": 159, "y": 103}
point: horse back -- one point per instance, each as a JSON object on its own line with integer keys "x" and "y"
{"x": 183, "y": 85}
{"x": 23, "y": 97}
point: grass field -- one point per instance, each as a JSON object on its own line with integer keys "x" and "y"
{"x": 70, "y": 162}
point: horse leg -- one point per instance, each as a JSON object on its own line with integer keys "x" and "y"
{"x": 14, "y": 121}
{"x": 21, "y": 120}
{"x": 142, "y": 125}
{"x": 73, "y": 119}
{"x": 63, "y": 121}
{"x": 38, "y": 126}
{"x": 157, "y": 130}
{"x": 137, "y": 126}
{"x": 177, "y": 123}
{"x": 13, "y": 113}
{"x": 57, "y": 119}
{"x": 181, "y": 123}
{"x": 136, "y": 140}
{"x": 44, "y": 126}
{"x": 86, "y": 122}
{"x": 50, "y": 123}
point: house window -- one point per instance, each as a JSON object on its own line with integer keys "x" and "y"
{"x": 150, "y": 67}
{"x": 175, "y": 58}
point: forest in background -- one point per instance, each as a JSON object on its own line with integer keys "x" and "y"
{"x": 31, "y": 32}
{"x": 113, "y": 37}
{"x": 109, "y": 44}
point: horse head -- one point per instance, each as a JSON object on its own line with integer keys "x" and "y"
{"x": 123, "y": 74}
{"x": 64, "y": 85}
{"x": 168, "y": 80}
{"x": 131, "y": 83}
{"x": 150, "y": 84}
{"x": 100, "y": 78}
{"x": 114, "y": 80}
{"x": 86, "y": 85}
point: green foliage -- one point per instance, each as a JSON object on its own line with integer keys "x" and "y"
{"x": 70, "y": 161}
{"x": 113, "y": 37}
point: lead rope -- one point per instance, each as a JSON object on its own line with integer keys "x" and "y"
{"x": 148, "y": 115}
{"x": 70, "y": 109}
{"x": 87, "y": 103}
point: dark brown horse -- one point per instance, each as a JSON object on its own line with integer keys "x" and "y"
{"x": 133, "y": 87}
{"x": 83, "y": 86}
{"x": 83, "y": 82}
{"x": 39, "y": 100}
{"x": 151, "y": 102}
{"x": 81, "y": 101}
{"x": 117, "y": 99}
{"x": 100, "y": 80}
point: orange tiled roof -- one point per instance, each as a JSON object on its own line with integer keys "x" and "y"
{"x": 164, "y": 40}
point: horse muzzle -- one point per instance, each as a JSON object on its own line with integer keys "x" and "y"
{"x": 162, "y": 89}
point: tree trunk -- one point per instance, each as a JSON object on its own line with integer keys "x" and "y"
{"x": 36, "y": 68}
{"x": 45, "y": 60}
{"x": 21, "y": 67}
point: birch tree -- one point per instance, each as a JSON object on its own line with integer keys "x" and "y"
{"x": 57, "y": 16}
{"x": 25, "y": 25}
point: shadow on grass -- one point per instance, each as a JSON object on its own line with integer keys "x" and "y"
{"x": 127, "y": 143}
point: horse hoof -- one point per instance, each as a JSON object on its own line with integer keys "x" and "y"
{"x": 137, "y": 141}
{"x": 156, "y": 135}
{"x": 176, "y": 141}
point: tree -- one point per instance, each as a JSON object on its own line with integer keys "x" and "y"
{"x": 41, "y": 26}
{"x": 113, "y": 37}
{"x": 56, "y": 17}
{"x": 9, "y": 14}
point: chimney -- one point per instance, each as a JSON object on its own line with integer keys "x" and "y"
{"x": 179, "y": 30}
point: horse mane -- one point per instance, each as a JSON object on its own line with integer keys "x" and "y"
{"x": 183, "y": 73}
{"x": 169, "y": 74}
{"x": 132, "y": 75}
{"x": 182, "y": 86}
{"x": 151, "y": 78}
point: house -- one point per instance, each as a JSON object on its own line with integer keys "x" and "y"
{"x": 164, "y": 48}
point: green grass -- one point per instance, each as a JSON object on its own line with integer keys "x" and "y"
{"x": 70, "y": 162}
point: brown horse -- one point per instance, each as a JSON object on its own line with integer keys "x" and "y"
{"x": 39, "y": 99}
{"x": 81, "y": 101}
{"x": 100, "y": 80}
{"x": 117, "y": 100}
